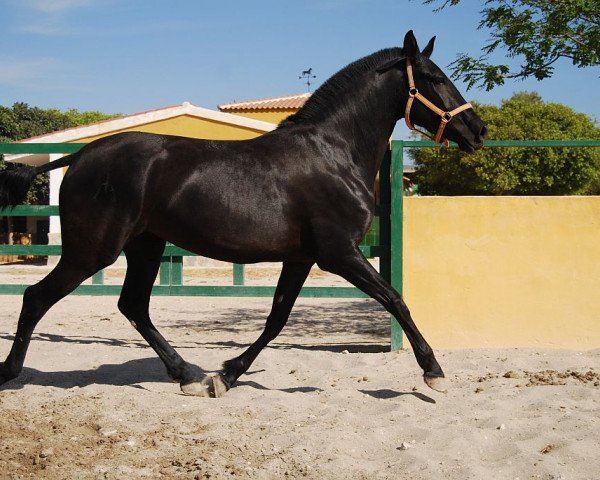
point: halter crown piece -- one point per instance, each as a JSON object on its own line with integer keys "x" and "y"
{"x": 445, "y": 117}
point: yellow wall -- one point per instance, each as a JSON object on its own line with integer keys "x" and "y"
{"x": 189, "y": 126}
{"x": 273, "y": 116}
{"x": 504, "y": 271}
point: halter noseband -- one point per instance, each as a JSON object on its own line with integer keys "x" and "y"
{"x": 445, "y": 117}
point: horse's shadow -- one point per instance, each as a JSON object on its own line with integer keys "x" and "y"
{"x": 386, "y": 394}
{"x": 134, "y": 373}
{"x": 131, "y": 373}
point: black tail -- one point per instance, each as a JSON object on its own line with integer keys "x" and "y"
{"x": 15, "y": 182}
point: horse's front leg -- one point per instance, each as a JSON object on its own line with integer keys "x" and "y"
{"x": 289, "y": 285}
{"x": 355, "y": 268}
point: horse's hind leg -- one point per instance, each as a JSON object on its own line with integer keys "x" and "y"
{"x": 289, "y": 285}
{"x": 143, "y": 255}
{"x": 37, "y": 300}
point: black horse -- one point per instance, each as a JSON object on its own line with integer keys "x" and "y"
{"x": 302, "y": 194}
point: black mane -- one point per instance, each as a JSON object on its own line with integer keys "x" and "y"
{"x": 327, "y": 95}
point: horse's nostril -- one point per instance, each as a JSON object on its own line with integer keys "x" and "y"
{"x": 483, "y": 132}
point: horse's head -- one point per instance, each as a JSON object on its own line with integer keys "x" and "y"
{"x": 433, "y": 101}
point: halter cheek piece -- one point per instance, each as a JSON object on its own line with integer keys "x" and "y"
{"x": 445, "y": 117}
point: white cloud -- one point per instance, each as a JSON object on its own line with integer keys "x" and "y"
{"x": 328, "y": 5}
{"x": 43, "y": 27}
{"x": 49, "y": 17}
{"x": 16, "y": 72}
{"x": 56, "y": 6}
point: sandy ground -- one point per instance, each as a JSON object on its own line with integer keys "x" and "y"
{"x": 326, "y": 401}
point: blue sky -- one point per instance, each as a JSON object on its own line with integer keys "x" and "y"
{"x": 129, "y": 56}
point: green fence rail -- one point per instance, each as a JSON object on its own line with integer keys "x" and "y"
{"x": 384, "y": 240}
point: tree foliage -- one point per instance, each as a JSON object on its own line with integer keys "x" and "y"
{"x": 538, "y": 32}
{"x": 22, "y": 121}
{"x": 517, "y": 170}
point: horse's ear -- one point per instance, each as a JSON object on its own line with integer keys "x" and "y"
{"x": 411, "y": 49}
{"x": 389, "y": 65}
{"x": 429, "y": 48}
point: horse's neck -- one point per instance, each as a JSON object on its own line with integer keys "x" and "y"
{"x": 366, "y": 121}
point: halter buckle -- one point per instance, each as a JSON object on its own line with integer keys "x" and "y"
{"x": 446, "y": 117}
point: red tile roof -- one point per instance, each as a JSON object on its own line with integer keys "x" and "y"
{"x": 288, "y": 102}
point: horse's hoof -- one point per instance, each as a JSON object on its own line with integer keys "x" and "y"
{"x": 219, "y": 387}
{"x": 211, "y": 387}
{"x": 197, "y": 389}
{"x": 436, "y": 383}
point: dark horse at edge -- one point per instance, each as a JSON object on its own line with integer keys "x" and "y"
{"x": 301, "y": 194}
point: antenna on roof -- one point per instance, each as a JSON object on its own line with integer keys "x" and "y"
{"x": 307, "y": 75}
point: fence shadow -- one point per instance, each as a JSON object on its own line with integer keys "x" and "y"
{"x": 87, "y": 340}
{"x": 350, "y": 347}
{"x": 360, "y": 317}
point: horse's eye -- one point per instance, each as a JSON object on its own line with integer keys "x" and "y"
{"x": 437, "y": 79}
{"x": 433, "y": 78}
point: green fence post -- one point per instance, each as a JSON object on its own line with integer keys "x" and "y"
{"x": 165, "y": 271}
{"x": 98, "y": 278}
{"x": 177, "y": 270}
{"x": 396, "y": 207}
{"x": 385, "y": 266}
{"x": 238, "y": 274}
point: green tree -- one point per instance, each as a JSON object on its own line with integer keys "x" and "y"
{"x": 539, "y": 32}
{"x": 516, "y": 170}
{"x": 22, "y": 121}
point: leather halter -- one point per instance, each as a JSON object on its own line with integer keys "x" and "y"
{"x": 445, "y": 117}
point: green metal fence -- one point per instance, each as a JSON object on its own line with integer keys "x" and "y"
{"x": 171, "y": 270}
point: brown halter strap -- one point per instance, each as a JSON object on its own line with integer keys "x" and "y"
{"x": 445, "y": 117}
